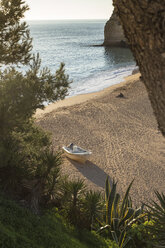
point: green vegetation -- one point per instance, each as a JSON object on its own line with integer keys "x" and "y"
{"x": 20, "y": 228}
{"x": 15, "y": 41}
{"x": 28, "y": 165}
{"x": 119, "y": 214}
{"x": 30, "y": 168}
{"x": 140, "y": 235}
{"x": 157, "y": 213}
{"x": 80, "y": 206}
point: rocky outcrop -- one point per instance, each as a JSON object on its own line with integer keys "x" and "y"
{"x": 113, "y": 32}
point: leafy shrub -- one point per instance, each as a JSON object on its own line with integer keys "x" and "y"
{"x": 156, "y": 211}
{"x": 92, "y": 209}
{"x": 20, "y": 228}
{"x": 70, "y": 197}
{"x": 80, "y": 206}
{"x": 140, "y": 235}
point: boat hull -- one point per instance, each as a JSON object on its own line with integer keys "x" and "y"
{"x": 80, "y": 157}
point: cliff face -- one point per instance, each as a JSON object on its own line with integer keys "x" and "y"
{"x": 113, "y": 32}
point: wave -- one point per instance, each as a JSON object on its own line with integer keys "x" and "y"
{"x": 100, "y": 81}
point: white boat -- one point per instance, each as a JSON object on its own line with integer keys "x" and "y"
{"x": 76, "y": 153}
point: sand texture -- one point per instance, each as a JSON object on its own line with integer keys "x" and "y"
{"x": 121, "y": 133}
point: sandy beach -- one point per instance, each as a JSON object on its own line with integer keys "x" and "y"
{"x": 122, "y": 134}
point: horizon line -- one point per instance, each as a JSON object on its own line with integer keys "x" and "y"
{"x": 65, "y": 19}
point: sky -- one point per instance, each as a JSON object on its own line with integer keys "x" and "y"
{"x": 68, "y": 9}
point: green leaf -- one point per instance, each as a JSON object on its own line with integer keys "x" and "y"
{"x": 109, "y": 203}
{"x": 114, "y": 236}
{"x": 116, "y": 222}
{"x": 125, "y": 201}
{"x": 103, "y": 228}
{"x": 107, "y": 189}
{"x": 128, "y": 215}
{"x": 161, "y": 199}
{"x": 122, "y": 239}
{"x": 138, "y": 211}
{"x": 116, "y": 205}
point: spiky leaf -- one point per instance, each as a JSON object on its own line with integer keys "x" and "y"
{"x": 125, "y": 201}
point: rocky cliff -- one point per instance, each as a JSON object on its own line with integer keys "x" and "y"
{"x": 113, "y": 32}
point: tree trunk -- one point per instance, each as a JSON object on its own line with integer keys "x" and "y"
{"x": 143, "y": 22}
{"x": 35, "y": 189}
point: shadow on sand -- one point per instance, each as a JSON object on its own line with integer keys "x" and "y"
{"x": 92, "y": 172}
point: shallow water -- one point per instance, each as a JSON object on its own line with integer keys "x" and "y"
{"x": 91, "y": 67}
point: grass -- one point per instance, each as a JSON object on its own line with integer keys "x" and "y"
{"x": 20, "y": 228}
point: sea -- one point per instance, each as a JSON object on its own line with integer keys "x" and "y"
{"x": 77, "y": 43}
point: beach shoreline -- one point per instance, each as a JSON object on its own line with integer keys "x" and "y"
{"x": 121, "y": 132}
{"x": 81, "y": 98}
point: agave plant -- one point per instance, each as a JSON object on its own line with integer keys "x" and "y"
{"x": 157, "y": 214}
{"x": 119, "y": 214}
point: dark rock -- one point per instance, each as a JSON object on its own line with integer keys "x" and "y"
{"x": 120, "y": 95}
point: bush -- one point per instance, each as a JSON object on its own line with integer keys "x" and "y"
{"x": 140, "y": 235}
{"x": 156, "y": 211}
{"x": 19, "y": 228}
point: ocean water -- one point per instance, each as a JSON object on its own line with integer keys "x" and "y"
{"x": 76, "y": 43}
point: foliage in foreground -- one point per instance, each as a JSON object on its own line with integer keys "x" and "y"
{"x": 80, "y": 206}
{"x": 140, "y": 235}
{"x": 28, "y": 168}
{"x": 88, "y": 209}
{"x": 119, "y": 214}
{"x": 20, "y": 228}
{"x": 15, "y": 41}
{"x": 157, "y": 214}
